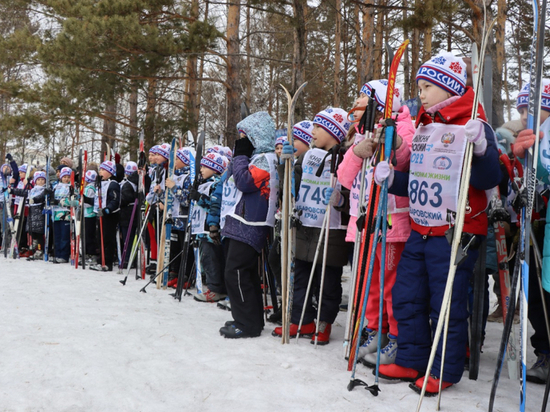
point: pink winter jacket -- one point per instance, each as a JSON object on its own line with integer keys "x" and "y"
{"x": 351, "y": 166}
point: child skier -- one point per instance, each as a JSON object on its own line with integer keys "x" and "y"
{"x": 35, "y": 219}
{"x": 432, "y": 183}
{"x": 22, "y": 202}
{"x": 61, "y": 216}
{"x": 248, "y": 207}
{"x": 349, "y": 175}
{"x": 538, "y": 373}
{"x": 180, "y": 184}
{"x": 90, "y": 217}
{"x": 213, "y": 165}
{"x": 314, "y": 195}
{"x": 108, "y": 211}
{"x": 128, "y": 197}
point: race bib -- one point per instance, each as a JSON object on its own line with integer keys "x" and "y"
{"x": 436, "y": 165}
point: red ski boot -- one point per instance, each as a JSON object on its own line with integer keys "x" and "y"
{"x": 395, "y": 372}
{"x": 307, "y": 331}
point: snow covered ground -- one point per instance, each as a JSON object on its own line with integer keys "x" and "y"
{"x": 74, "y": 340}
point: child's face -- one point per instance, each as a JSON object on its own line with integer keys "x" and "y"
{"x": 179, "y": 164}
{"x": 278, "y": 149}
{"x": 430, "y": 94}
{"x": 105, "y": 175}
{"x": 362, "y": 102}
{"x": 22, "y": 175}
{"x": 152, "y": 158}
{"x": 300, "y": 147}
{"x": 66, "y": 179}
{"x": 40, "y": 181}
{"x": 322, "y": 138}
{"x": 207, "y": 173}
{"x": 523, "y": 112}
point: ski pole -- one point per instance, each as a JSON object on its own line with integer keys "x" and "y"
{"x": 127, "y": 240}
{"x": 154, "y": 278}
{"x": 132, "y": 255}
{"x": 366, "y": 126}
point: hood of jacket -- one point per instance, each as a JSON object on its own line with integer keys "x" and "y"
{"x": 260, "y": 130}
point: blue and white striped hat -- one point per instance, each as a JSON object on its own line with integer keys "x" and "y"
{"x": 380, "y": 88}
{"x": 108, "y": 166}
{"x": 185, "y": 153}
{"x": 90, "y": 176}
{"x": 130, "y": 168}
{"x": 66, "y": 171}
{"x": 215, "y": 161}
{"x": 223, "y": 150}
{"x": 302, "y": 131}
{"x": 164, "y": 150}
{"x": 523, "y": 96}
{"x": 335, "y": 121}
{"x": 445, "y": 71}
{"x": 39, "y": 175}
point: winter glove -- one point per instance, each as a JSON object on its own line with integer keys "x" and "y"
{"x": 48, "y": 192}
{"x": 364, "y": 149}
{"x": 475, "y": 133}
{"x": 106, "y": 211}
{"x": 9, "y": 157}
{"x": 333, "y": 197}
{"x": 194, "y": 194}
{"x": 288, "y": 150}
{"x": 243, "y": 147}
{"x": 214, "y": 233}
{"x": 524, "y": 141}
{"x": 382, "y": 172}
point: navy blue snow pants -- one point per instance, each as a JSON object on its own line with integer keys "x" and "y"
{"x": 417, "y": 297}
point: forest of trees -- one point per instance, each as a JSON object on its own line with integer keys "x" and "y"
{"x": 82, "y": 73}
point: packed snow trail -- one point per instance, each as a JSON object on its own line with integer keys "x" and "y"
{"x": 77, "y": 340}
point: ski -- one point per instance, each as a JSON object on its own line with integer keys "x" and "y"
{"x": 166, "y": 233}
{"x": 47, "y": 212}
{"x": 366, "y": 126}
{"x": 100, "y": 214}
{"x": 194, "y": 173}
{"x": 10, "y": 229}
{"x": 288, "y": 221}
{"x": 530, "y": 182}
{"x": 476, "y": 309}
{"x": 18, "y": 219}
{"x": 378, "y": 198}
{"x": 73, "y": 219}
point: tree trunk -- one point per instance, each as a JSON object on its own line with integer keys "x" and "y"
{"x": 498, "y": 63}
{"x": 248, "y": 75}
{"x": 150, "y": 114}
{"x": 233, "y": 69}
{"x": 300, "y": 52}
{"x": 358, "y": 48}
{"x": 133, "y": 144}
{"x": 378, "y": 43}
{"x": 367, "y": 53}
{"x": 190, "y": 99}
{"x": 109, "y": 128}
{"x": 337, "y": 51}
{"x": 406, "y": 59}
